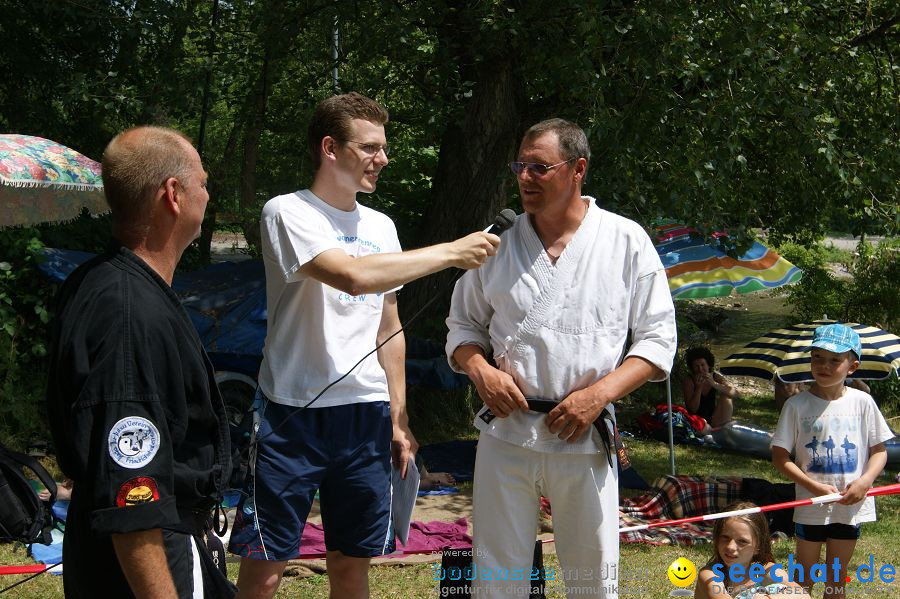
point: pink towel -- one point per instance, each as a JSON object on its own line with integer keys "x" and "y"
{"x": 424, "y": 537}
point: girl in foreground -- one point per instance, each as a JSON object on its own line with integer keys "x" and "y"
{"x": 744, "y": 540}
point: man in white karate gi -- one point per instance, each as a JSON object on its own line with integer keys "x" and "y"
{"x": 549, "y": 319}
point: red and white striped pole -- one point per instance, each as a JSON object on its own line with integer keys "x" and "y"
{"x": 873, "y": 492}
{"x": 26, "y": 569}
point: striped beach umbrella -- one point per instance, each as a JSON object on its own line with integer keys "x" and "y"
{"x": 785, "y": 353}
{"x": 697, "y": 268}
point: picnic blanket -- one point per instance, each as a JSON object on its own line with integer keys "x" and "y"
{"x": 48, "y": 554}
{"x": 678, "y": 497}
{"x": 441, "y": 490}
{"x": 424, "y": 537}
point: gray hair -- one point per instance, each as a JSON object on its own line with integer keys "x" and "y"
{"x": 573, "y": 142}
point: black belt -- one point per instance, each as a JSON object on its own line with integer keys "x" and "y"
{"x": 605, "y": 424}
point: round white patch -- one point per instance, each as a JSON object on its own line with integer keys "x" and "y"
{"x": 133, "y": 442}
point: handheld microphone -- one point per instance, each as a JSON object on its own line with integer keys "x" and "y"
{"x": 504, "y": 220}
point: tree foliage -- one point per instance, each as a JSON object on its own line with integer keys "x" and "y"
{"x": 868, "y": 293}
{"x": 776, "y": 114}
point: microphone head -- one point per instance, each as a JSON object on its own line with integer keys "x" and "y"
{"x": 504, "y": 220}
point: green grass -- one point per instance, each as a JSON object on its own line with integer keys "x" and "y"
{"x": 644, "y": 564}
{"x": 836, "y": 255}
{"x": 650, "y": 458}
{"x": 747, "y": 317}
{"x": 442, "y": 416}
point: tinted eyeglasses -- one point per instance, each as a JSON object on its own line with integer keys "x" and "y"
{"x": 535, "y": 168}
{"x": 370, "y": 149}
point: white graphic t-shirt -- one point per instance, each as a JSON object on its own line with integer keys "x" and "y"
{"x": 316, "y": 333}
{"x": 831, "y": 441}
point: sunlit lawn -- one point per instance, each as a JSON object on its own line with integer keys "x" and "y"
{"x": 644, "y": 564}
{"x": 441, "y": 416}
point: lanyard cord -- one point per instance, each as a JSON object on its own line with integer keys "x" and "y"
{"x": 412, "y": 318}
{"x": 504, "y": 221}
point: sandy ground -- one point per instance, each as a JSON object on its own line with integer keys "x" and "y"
{"x": 445, "y": 508}
{"x": 848, "y": 242}
{"x": 228, "y": 246}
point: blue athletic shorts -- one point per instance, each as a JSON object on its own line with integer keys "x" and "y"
{"x": 819, "y": 533}
{"x": 342, "y": 451}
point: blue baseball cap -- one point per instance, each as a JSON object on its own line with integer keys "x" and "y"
{"x": 837, "y": 338}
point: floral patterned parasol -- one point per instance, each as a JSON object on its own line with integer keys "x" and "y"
{"x": 42, "y": 181}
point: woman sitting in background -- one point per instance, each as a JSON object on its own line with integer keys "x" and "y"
{"x": 706, "y": 392}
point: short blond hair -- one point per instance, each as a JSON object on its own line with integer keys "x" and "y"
{"x": 135, "y": 164}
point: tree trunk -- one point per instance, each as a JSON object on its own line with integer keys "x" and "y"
{"x": 277, "y": 34}
{"x": 252, "y": 133}
{"x": 470, "y": 184}
{"x": 219, "y": 181}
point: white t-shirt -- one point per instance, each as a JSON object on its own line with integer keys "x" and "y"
{"x": 316, "y": 333}
{"x": 831, "y": 441}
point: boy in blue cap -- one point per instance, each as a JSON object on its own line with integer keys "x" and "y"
{"x": 837, "y": 434}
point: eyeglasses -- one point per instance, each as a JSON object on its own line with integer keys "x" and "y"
{"x": 535, "y": 168}
{"x": 370, "y": 149}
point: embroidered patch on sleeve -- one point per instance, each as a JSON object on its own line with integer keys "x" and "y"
{"x": 133, "y": 442}
{"x": 136, "y": 491}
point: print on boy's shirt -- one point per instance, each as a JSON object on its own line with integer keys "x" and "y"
{"x": 346, "y": 298}
{"x": 356, "y": 247}
{"x": 827, "y": 461}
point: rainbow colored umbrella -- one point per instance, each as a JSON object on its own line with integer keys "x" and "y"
{"x": 698, "y": 269}
{"x": 784, "y": 352}
{"x": 42, "y": 181}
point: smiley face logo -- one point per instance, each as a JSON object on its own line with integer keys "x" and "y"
{"x": 682, "y": 572}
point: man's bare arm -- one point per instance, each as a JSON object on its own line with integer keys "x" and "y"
{"x": 142, "y": 558}
{"x": 377, "y": 273}
{"x": 392, "y": 356}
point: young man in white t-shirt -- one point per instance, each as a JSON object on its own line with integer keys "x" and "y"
{"x": 332, "y": 271}
{"x": 837, "y": 435}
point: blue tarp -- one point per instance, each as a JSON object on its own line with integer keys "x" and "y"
{"x": 227, "y": 305}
